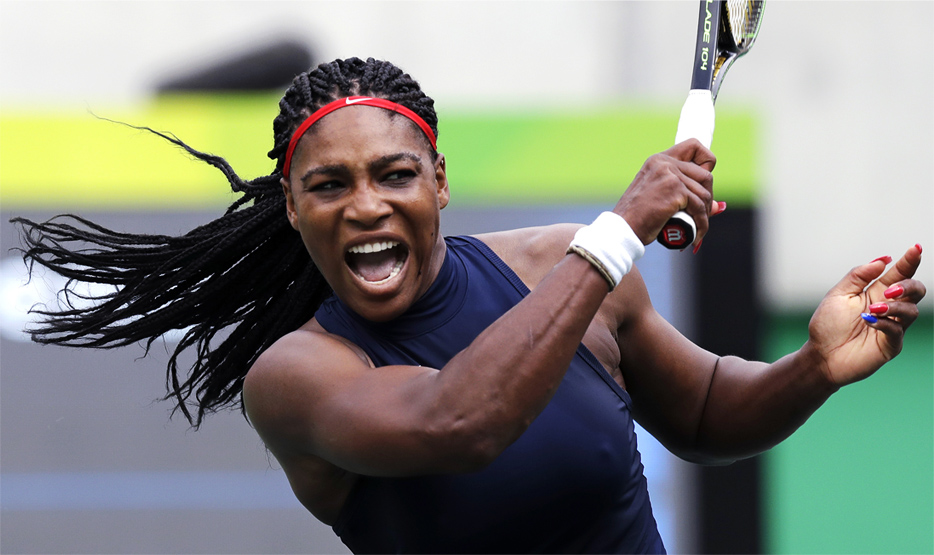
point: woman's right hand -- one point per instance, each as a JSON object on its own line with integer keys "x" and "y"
{"x": 677, "y": 179}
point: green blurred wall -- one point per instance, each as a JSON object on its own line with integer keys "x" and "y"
{"x": 858, "y": 477}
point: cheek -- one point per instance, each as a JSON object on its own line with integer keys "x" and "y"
{"x": 327, "y": 262}
{"x": 313, "y": 218}
{"x": 314, "y": 235}
{"x": 429, "y": 222}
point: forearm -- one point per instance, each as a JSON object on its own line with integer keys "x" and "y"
{"x": 752, "y": 406}
{"x": 489, "y": 393}
{"x": 408, "y": 420}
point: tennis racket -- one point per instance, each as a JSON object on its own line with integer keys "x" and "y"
{"x": 726, "y": 29}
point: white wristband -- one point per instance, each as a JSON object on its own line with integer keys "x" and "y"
{"x": 610, "y": 245}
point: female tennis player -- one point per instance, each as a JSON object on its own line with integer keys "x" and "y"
{"x": 461, "y": 394}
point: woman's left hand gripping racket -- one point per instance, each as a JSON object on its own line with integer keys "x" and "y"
{"x": 726, "y": 29}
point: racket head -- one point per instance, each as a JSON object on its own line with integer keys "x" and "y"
{"x": 740, "y": 21}
{"x": 740, "y": 24}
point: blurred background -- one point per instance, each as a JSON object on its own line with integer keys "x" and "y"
{"x": 825, "y": 145}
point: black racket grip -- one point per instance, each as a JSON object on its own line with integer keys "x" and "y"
{"x": 678, "y": 232}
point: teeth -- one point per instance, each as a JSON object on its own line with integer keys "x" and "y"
{"x": 367, "y": 248}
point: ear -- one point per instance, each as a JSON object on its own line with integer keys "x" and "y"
{"x": 441, "y": 178}
{"x": 289, "y": 203}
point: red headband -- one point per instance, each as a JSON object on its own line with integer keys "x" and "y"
{"x": 354, "y": 101}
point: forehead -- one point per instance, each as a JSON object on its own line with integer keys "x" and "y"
{"x": 359, "y": 132}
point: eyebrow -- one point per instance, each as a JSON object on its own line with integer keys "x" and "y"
{"x": 374, "y": 166}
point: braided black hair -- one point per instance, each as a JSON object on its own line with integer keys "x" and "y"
{"x": 243, "y": 280}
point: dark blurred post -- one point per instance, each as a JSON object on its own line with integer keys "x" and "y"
{"x": 728, "y": 320}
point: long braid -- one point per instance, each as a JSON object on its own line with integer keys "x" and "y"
{"x": 243, "y": 280}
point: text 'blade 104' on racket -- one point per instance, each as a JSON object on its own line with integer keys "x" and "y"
{"x": 726, "y": 29}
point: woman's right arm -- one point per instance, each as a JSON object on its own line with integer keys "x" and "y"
{"x": 312, "y": 394}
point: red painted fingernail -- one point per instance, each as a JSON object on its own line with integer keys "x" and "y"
{"x": 886, "y": 259}
{"x": 918, "y": 246}
{"x": 697, "y": 248}
{"x": 878, "y": 308}
{"x": 722, "y": 206}
{"x": 894, "y": 291}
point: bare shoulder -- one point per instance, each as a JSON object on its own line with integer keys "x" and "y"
{"x": 313, "y": 394}
{"x": 297, "y": 351}
{"x": 283, "y": 394}
{"x": 289, "y": 376}
{"x": 531, "y": 252}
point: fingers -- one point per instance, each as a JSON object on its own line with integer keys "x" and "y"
{"x": 695, "y": 171}
{"x": 665, "y": 184}
{"x": 898, "y": 307}
{"x": 698, "y": 195}
{"x": 905, "y": 312}
{"x": 694, "y": 151}
{"x": 698, "y": 204}
{"x": 894, "y": 283}
{"x": 891, "y": 318}
{"x": 679, "y": 178}
{"x": 857, "y": 279}
{"x": 904, "y": 268}
{"x": 910, "y": 290}
{"x": 717, "y": 207}
{"x": 894, "y": 329}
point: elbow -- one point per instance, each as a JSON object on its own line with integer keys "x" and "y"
{"x": 467, "y": 445}
{"x": 473, "y": 457}
{"x": 696, "y": 454}
{"x": 709, "y": 454}
{"x": 698, "y": 449}
{"x": 707, "y": 458}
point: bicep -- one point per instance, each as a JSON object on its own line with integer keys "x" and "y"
{"x": 667, "y": 376}
{"x": 316, "y": 396}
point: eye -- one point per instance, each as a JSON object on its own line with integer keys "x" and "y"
{"x": 325, "y": 187}
{"x": 399, "y": 177}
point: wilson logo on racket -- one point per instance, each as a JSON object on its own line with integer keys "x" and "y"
{"x": 674, "y": 236}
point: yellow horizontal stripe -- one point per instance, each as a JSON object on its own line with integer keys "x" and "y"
{"x": 71, "y": 160}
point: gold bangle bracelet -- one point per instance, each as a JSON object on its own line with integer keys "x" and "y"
{"x": 595, "y": 262}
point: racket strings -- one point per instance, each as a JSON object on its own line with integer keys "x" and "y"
{"x": 743, "y": 17}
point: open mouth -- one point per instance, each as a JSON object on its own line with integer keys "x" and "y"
{"x": 376, "y": 262}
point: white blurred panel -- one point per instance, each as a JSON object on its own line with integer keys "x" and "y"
{"x": 845, "y": 88}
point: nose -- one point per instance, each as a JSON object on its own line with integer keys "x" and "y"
{"x": 367, "y": 206}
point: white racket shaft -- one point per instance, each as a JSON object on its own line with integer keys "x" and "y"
{"x": 696, "y": 122}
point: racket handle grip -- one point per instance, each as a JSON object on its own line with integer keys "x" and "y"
{"x": 696, "y": 122}
{"x": 697, "y": 119}
{"x": 678, "y": 232}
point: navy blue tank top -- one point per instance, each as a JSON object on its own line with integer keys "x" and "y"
{"x": 572, "y": 483}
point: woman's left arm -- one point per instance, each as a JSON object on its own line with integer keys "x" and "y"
{"x": 713, "y": 409}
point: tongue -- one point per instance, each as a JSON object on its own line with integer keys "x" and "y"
{"x": 375, "y": 266}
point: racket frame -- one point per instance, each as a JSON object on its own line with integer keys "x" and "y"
{"x": 715, "y": 51}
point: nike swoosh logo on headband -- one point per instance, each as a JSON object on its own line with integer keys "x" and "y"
{"x": 348, "y": 101}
